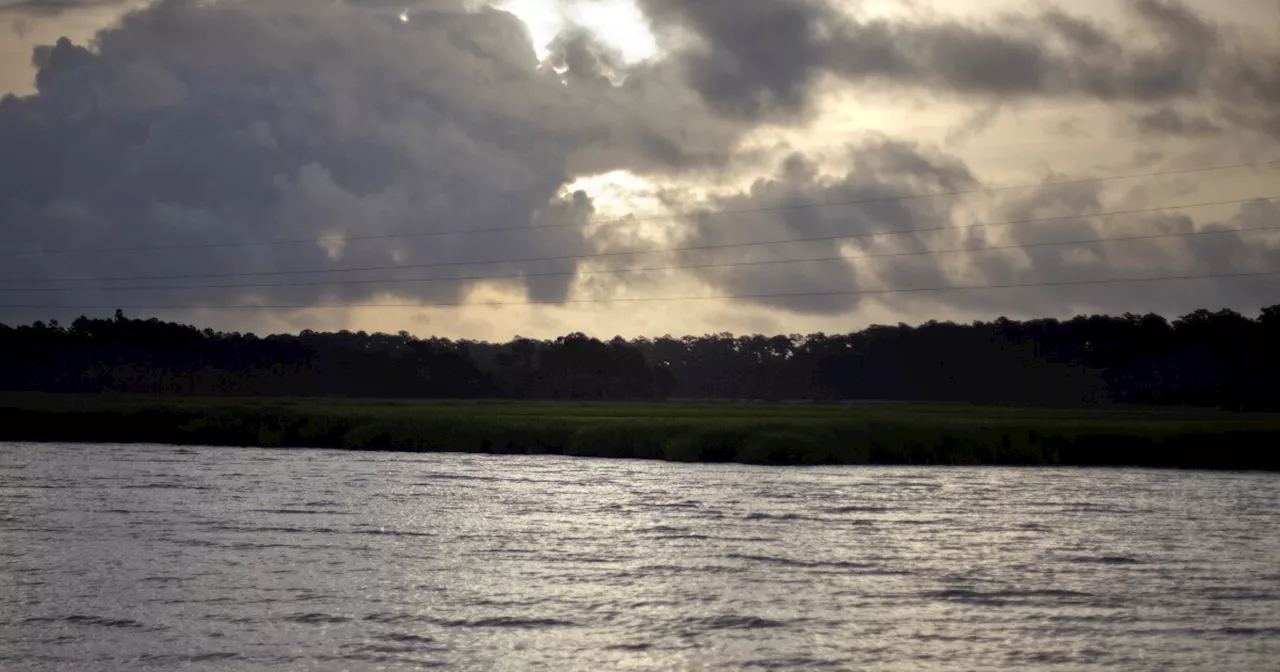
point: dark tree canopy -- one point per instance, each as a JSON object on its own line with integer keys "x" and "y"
{"x": 1205, "y": 358}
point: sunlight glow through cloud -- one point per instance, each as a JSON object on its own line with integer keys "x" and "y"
{"x": 617, "y": 23}
{"x": 620, "y": 195}
{"x": 616, "y": 194}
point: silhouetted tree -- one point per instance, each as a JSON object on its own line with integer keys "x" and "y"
{"x": 1204, "y": 358}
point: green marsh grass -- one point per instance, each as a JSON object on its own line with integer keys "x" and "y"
{"x": 757, "y": 433}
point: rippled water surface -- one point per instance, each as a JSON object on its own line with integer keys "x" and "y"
{"x": 149, "y": 557}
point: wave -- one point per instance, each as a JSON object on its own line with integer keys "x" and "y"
{"x": 254, "y": 529}
{"x": 508, "y": 622}
{"x": 1248, "y": 632}
{"x": 684, "y": 504}
{"x": 859, "y": 509}
{"x": 804, "y": 662}
{"x": 640, "y": 646}
{"x": 368, "y": 647}
{"x": 1001, "y": 596}
{"x": 82, "y": 619}
{"x": 178, "y": 659}
{"x": 455, "y": 477}
{"x": 777, "y": 516}
{"x": 406, "y": 638}
{"x": 927, "y": 485}
{"x": 316, "y": 618}
{"x": 304, "y": 512}
{"x": 787, "y": 562}
{"x": 396, "y": 618}
{"x": 395, "y": 533}
{"x": 735, "y": 622}
{"x": 677, "y": 569}
{"x": 1105, "y": 560}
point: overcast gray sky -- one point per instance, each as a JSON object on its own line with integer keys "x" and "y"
{"x": 555, "y": 139}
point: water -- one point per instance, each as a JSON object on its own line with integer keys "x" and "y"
{"x": 149, "y": 557}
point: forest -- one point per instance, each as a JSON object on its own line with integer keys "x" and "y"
{"x": 1213, "y": 359}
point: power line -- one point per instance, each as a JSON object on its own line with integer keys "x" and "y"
{"x": 601, "y": 255}
{"x": 628, "y": 220}
{"x": 722, "y": 297}
{"x": 768, "y": 262}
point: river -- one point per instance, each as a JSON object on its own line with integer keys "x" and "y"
{"x": 155, "y": 557}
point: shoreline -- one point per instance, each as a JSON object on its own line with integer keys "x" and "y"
{"x": 872, "y": 434}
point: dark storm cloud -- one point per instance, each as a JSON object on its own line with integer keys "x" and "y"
{"x": 884, "y": 169}
{"x": 196, "y": 122}
{"x": 753, "y": 57}
{"x": 778, "y": 208}
{"x": 1033, "y": 263}
{"x": 1167, "y": 121}
{"x": 52, "y": 7}
{"x": 766, "y": 58}
{"x": 585, "y": 59}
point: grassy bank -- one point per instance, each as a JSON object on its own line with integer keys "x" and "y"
{"x": 866, "y": 433}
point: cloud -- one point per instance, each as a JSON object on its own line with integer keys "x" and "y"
{"x": 1168, "y": 121}
{"x": 196, "y": 122}
{"x": 1054, "y": 240}
{"x": 769, "y": 59}
{"x": 752, "y": 58}
{"x": 780, "y": 208}
{"x": 583, "y": 57}
{"x": 54, "y": 7}
{"x": 1027, "y": 259}
{"x": 193, "y": 122}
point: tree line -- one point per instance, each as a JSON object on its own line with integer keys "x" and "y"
{"x": 1204, "y": 358}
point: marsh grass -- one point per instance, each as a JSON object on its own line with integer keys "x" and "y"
{"x": 757, "y": 433}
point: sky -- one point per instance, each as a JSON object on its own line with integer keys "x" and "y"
{"x": 635, "y": 167}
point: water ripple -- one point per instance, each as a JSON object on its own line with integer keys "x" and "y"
{"x": 147, "y": 558}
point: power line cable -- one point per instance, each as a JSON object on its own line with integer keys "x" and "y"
{"x": 740, "y": 264}
{"x": 723, "y": 297}
{"x": 601, "y": 255}
{"x": 628, "y": 220}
